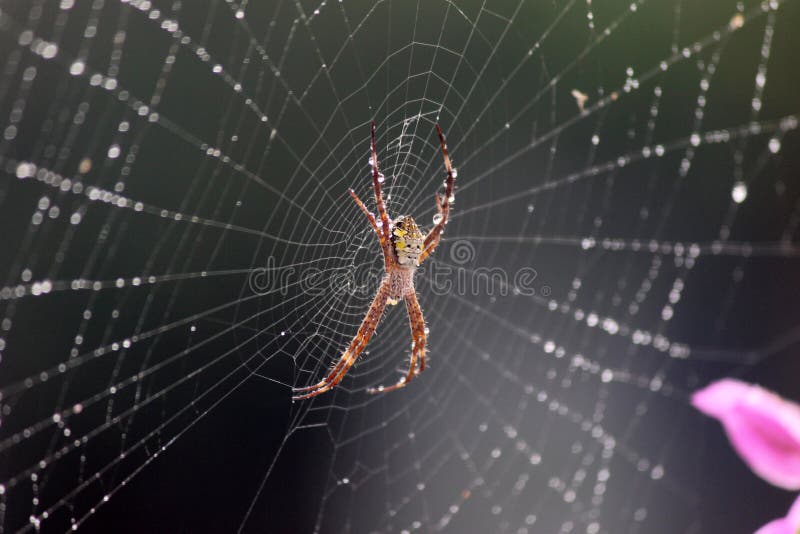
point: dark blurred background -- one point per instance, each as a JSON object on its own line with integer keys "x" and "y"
{"x": 642, "y": 158}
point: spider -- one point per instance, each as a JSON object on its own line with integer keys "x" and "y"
{"x": 404, "y": 248}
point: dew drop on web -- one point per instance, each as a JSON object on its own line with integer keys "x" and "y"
{"x": 739, "y": 192}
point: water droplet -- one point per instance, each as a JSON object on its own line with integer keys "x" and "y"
{"x": 77, "y": 68}
{"x": 437, "y": 218}
{"x": 381, "y": 178}
{"x": 25, "y": 170}
{"x": 49, "y": 51}
{"x": 739, "y": 192}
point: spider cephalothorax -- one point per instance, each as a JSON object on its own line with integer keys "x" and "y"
{"x": 404, "y": 248}
{"x": 407, "y": 241}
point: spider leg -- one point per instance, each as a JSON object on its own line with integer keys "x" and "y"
{"x": 419, "y": 338}
{"x": 370, "y": 216}
{"x": 357, "y": 345}
{"x": 442, "y": 204}
{"x": 417, "y": 327}
{"x": 384, "y": 244}
{"x": 377, "y": 178}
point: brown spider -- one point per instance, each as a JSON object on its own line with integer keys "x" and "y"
{"x": 404, "y": 249}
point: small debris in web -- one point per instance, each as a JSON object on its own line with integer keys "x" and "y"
{"x": 580, "y": 99}
{"x": 737, "y": 21}
{"x": 85, "y": 166}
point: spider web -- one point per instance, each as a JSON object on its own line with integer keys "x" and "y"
{"x": 179, "y": 250}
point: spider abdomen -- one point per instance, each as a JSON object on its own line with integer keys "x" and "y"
{"x": 401, "y": 282}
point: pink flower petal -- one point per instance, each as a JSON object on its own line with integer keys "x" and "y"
{"x": 785, "y": 525}
{"x": 779, "y": 526}
{"x": 720, "y": 397}
{"x": 762, "y": 427}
